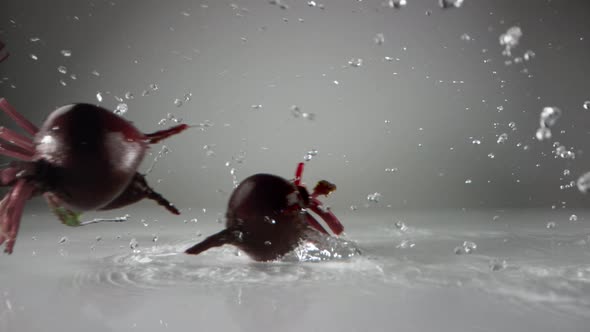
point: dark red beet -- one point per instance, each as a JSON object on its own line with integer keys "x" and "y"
{"x": 84, "y": 157}
{"x": 267, "y": 217}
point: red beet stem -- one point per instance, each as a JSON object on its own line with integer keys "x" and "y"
{"x": 8, "y": 175}
{"x": 11, "y": 210}
{"x": 298, "y": 174}
{"x": 17, "y": 139}
{"x": 327, "y": 216}
{"x": 315, "y": 224}
{"x": 15, "y": 152}
{"x": 154, "y": 138}
{"x": 215, "y": 240}
{"x": 18, "y": 118}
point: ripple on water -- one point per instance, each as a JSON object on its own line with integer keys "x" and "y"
{"x": 167, "y": 265}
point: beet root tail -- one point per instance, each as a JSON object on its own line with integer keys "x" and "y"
{"x": 156, "y": 137}
{"x": 215, "y": 240}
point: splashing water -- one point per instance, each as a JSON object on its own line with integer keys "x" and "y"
{"x": 510, "y": 39}
{"x": 548, "y": 119}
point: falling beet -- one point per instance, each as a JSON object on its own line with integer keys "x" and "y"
{"x": 83, "y": 158}
{"x": 267, "y": 216}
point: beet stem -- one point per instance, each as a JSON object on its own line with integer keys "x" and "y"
{"x": 18, "y": 118}
{"x": 327, "y": 216}
{"x": 315, "y": 224}
{"x": 17, "y": 139}
{"x": 11, "y": 212}
{"x": 298, "y": 174}
{"x": 157, "y": 136}
{"x": 15, "y": 152}
{"x": 8, "y": 175}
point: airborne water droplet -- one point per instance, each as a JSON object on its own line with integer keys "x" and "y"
{"x": 121, "y": 109}
{"x": 99, "y": 96}
{"x": 586, "y": 105}
{"x": 66, "y": 53}
{"x": 573, "y": 217}
{"x": 62, "y": 70}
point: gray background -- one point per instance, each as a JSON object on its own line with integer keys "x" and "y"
{"x": 197, "y": 47}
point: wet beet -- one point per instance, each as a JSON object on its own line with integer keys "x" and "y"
{"x": 84, "y": 157}
{"x": 267, "y": 217}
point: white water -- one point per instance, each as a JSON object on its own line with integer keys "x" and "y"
{"x": 72, "y": 287}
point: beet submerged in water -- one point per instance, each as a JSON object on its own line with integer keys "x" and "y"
{"x": 83, "y": 158}
{"x": 267, "y": 216}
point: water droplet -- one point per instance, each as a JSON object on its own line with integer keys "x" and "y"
{"x": 374, "y": 197}
{"x": 133, "y": 244}
{"x": 379, "y": 39}
{"x": 95, "y": 73}
{"x": 178, "y": 102}
{"x": 154, "y": 238}
{"x": 496, "y": 218}
{"x": 66, "y": 53}
{"x": 34, "y": 39}
{"x": 62, "y": 82}
{"x": 469, "y": 247}
{"x": 406, "y": 244}
{"x": 551, "y": 225}
{"x": 512, "y": 125}
{"x": 468, "y": 181}
{"x": 267, "y": 243}
{"x": 586, "y": 105}
{"x": 129, "y": 95}
{"x": 311, "y": 3}
{"x": 391, "y": 170}
{"x": 549, "y": 116}
{"x": 476, "y": 142}
{"x": 98, "y": 238}
{"x": 447, "y": 4}
{"x": 355, "y": 62}
{"x": 497, "y": 264}
{"x": 543, "y": 133}
{"x": 353, "y": 208}
{"x": 528, "y": 55}
{"x": 256, "y": 106}
{"x": 465, "y": 37}
{"x": 491, "y": 155}
{"x": 154, "y": 87}
{"x": 400, "y": 225}
{"x": 34, "y": 57}
{"x": 63, "y": 240}
{"x": 99, "y": 97}
{"x": 502, "y": 138}
{"x": 397, "y": 4}
{"x": 62, "y": 70}
{"x": 121, "y": 109}
{"x": 566, "y": 172}
{"x": 583, "y": 183}
{"x": 510, "y": 39}
{"x": 573, "y": 217}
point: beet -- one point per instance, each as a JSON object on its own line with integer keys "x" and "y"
{"x": 267, "y": 216}
{"x": 83, "y": 158}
